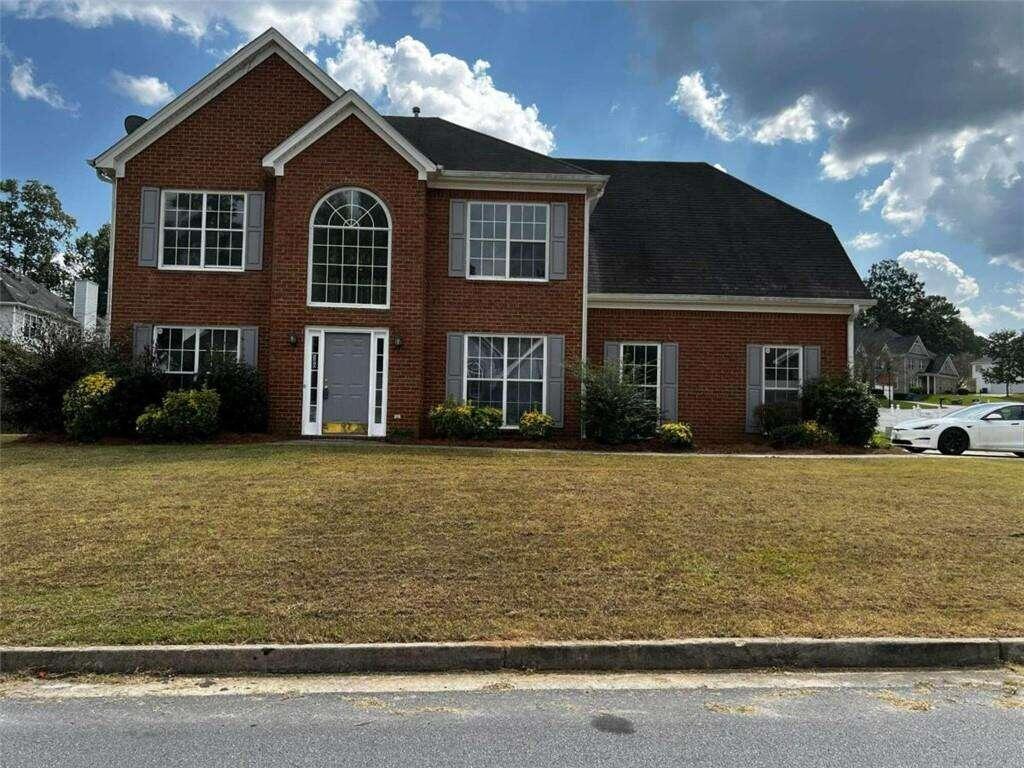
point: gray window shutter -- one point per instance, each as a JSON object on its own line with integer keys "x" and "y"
{"x": 555, "y": 364}
{"x": 453, "y": 366}
{"x": 669, "y": 381}
{"x": 457, "y": 239}
{"x": 611, "y": 352}
{"x": 254, "y": 230}
{"x": 250, "y": 345}
{"x": 149, "y": 226}
{"x": 755, "y": 370}
{"x": 142, "y": 339}
{"x": 559, "y": 230}
{"x": 812, "y": 363}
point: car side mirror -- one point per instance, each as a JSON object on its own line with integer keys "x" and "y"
{"x": 997, "y": 416}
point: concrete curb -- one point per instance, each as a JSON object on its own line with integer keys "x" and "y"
{"x": 607, "y": 656}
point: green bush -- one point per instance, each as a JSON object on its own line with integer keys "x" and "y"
{"x": 676, "y": 434}
{"x": 34, "y": 379}
{"x": 90, "y": 408}
{"x": 243, "y": 395}
{"x": 879, "y": 440}
{"x": 140, "y": 384}
{"x": 453, "y": 420}
{"x": 804, "y": 434}
{"x": 842, "y": 405}
{"x": 536, "y": 425}
{"x": 184, "y": 416}
{"x": 613, "y": 410}
{"x": 488, "y": 422}
{"x": 771, "y": 416}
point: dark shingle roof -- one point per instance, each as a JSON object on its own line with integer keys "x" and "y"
{"x": 19, "y": 289}
{"x": 461, "y": 149}
{"x": 688, "y": 228}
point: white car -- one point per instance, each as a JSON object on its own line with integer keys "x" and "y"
{"x": 988, "y": 427}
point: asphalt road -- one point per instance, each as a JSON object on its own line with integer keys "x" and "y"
{"x": 848, "y": 719}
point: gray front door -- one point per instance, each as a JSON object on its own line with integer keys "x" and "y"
{"x": 346, "y": 379}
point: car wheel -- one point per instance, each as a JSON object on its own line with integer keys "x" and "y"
{"x": 914, "y": 450}
{"x": 953, "y": 442}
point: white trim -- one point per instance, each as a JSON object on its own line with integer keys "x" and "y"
{"x": 800, "y": 368}
{"x": 508, "y": 242}
{"x": 702, "y": 303}
{"x": 316, "y": 428}
{"x": 223, "y": 76}
{"x": 622, "y": 365}
{"x": 548, "y": 183}
{"x": 202, "y": 242}
{"x": 309, "y": 254}
{"x": 348, "y": 105}
{"x": 198, "y": 329}
{"x": 504, "y": 370}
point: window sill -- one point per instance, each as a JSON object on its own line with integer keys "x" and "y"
{"x": 172, "y": 268}
{"x": 333, "y": 305}
{"x": 486, "y": 279}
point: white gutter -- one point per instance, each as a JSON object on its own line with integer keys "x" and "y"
{"x": 717, "y": 303}
{"x": 849, "y": 336}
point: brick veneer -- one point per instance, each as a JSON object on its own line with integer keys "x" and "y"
{"x": 712, "y": 354}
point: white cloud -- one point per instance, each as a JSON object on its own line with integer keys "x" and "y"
{"x": 407, "y": 74}
{"x": 865, "y": 241}
{"x": 705, "y": 108}
{"x": 429, "y": 13}
{"x": 23, "y": 83}
{"x": 614, "y": 108}
{"x": 305, "y": 22}
{"x": 795, "y": 123}
{"x": 981, "y": 320}
{"x": 940, "y": 274}
{"x": 643, "y": 139}
{"x": 146, "y": 89}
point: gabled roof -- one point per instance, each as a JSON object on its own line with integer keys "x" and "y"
{"x": 874, "y": 339}
{"x": 688, "y": 228}
{"x": 21, "y": 289}
{"x": 460, "y": 149}
{"x": 225, "y": 74}
{"x": 348, "y": 105}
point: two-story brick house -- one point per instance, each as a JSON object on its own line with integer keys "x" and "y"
{"x": 372, "y": 265}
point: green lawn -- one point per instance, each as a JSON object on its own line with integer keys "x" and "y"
{"x": 263, "y": 542}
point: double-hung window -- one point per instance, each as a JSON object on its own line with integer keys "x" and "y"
{"x": 186, "y": 350}
{"x": 32, "y": 327}
{"x": 202, "y": 230}
{"x": 508, "y": 241}
{"x": 641, "y": 365}
{"x": 507, "y": 373}
{"x": 783, "y": 375}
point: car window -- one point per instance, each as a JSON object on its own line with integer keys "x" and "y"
{"x": 973, "y": 412}
{"x": 1012, "y": 412}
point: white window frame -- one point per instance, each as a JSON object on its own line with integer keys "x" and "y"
{"x": 309, "y": 256}
{"x": 504, "y": 370}
{"x": 315, "y": 427}
{"x": 20, "y": 321}
{"x": 622, "y": 357}
{"x": 508, "y": 242}
{"x": 198, "y": 329}
{"x": 202, "y": 243}
{"x": 800, "y": 369}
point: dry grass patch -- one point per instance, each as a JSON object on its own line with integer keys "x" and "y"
{"x": 300, "y": 543}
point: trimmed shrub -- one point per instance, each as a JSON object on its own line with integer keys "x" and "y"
{"x": 842, "y": 405}
{"x": 613, "y": 410}
{"x": 34, "y": 379}
{"x": 453, "y": 420}
{"x": 184, "y": 416}
{"x": 140, "y": 384}
{"x": 488, "y": 422}
{"x": 90, "y": 408}
{"x": 243, "y": 395}
{"x": 536, "y": 425}
{"x": 678, "y": 434}
{"x": 771, "y": 416}
{"x": 805, "y": 434}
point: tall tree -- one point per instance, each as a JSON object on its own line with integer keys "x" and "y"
{"x": 896, "y": 290}
{"x": 93, "y": 253}
{"x": 35, "y": 234}
{"x": 1006, "y": 348}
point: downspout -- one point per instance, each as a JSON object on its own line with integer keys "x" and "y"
{"x": 586, "y": 270}
{"x": 110, "y": 178}
{"x": 849, "y": 337}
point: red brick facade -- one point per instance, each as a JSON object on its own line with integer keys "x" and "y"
{"x": 221, "y": 146}
{"x": 712, "y": 354}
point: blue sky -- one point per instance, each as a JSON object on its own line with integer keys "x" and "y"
{"x": 901, "y": 125}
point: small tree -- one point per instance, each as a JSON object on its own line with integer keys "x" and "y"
{"x": 93, "y": 253}
{"x": 614, "y": 410}
{"x": 1006, "y": 348}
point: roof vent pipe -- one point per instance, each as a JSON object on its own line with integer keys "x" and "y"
{"x": 415, "y": 111}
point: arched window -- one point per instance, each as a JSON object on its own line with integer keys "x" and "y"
{"x": 350, "y": 252}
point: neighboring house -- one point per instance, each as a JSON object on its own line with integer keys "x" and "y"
{"x": 886, "y": 358}
{"x": 371, "y": 266}
{"x": 978, "y": 367}
{"x": 26, "y": 307}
